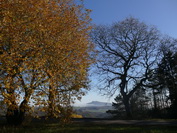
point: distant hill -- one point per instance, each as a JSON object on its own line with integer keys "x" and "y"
{"x": 97, "y": 103}
{"x": 94, "y": 109}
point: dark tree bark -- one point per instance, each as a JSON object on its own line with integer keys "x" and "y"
{"x": 16, "y": 114}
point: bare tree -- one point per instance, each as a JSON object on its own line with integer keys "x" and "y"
{"x": 126, "y": 56}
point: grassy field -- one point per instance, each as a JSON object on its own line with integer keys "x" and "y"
{"x": 54, "y": 127}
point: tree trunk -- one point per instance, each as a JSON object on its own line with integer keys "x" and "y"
{"x": 51, "y": 109}
{"x": 15, "y": 117}
{"x": 126, "y": 102}
{"x": 155, "y": 101}
{"x": 16, "y": 114}
{"x": 12, "y": 115}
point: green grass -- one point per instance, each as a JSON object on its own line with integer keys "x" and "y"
{"x": 45, "y": 127}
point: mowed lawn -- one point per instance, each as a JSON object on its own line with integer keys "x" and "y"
{"x": 84, "y": 127}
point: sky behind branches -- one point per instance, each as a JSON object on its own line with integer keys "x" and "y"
{"x": 160, "y": 13}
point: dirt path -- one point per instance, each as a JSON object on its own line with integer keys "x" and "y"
{"x": 127, "y": 122}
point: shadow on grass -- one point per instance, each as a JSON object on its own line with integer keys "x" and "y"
{"x": 42, "y": 126}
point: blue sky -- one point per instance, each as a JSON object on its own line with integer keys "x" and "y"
{"x": 160, "y": 13}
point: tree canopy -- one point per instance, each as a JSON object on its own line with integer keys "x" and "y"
{"x": 44, "y": 55}
{"x": 126, "y": 56}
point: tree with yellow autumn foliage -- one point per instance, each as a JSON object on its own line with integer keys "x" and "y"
{"x": 44, "y": 56}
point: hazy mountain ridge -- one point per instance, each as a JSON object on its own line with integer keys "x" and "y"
{"x": 97, "y": 103}
{"x": 94, "y": 109}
